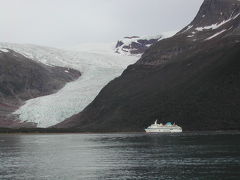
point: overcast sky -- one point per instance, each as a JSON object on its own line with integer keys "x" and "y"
{"x": 66, "y": 23}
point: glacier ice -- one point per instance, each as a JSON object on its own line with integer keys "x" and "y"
{"x": 97, "y": 68}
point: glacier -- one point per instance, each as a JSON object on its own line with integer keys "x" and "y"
{"x": 98, "y": 67}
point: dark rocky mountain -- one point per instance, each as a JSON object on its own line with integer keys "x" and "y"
{"x": 192, "y": 78}
{"x": 22, "y": 79}
{"x": 135, "y": 45}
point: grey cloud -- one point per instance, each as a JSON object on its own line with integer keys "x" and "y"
{"x": 71, "y": 22}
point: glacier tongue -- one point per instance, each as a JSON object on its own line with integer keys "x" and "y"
{"x": 97, "y": 70}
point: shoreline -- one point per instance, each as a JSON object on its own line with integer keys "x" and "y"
{"x": 75, "y": 131}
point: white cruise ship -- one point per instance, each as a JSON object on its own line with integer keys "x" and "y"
{"x": 159, "y": 128}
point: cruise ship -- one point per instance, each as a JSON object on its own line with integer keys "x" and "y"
{"x": 159, "y": 128}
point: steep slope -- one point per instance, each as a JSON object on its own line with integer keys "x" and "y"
{"x": 96, "y": 68}
{"x": 192, "y": 79}
{"x": 22, "y": 79}
{"x": 136, "y": 45}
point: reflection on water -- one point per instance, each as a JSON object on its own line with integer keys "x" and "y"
{"x": 120, "y": 156}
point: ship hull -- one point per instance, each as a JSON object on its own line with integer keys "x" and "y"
{"x": 163, "y": 130}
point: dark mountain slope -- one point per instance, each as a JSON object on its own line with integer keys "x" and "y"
{"x": 22, "y": 79}
{"x": 192, "y": 79}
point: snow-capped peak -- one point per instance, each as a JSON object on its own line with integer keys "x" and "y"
{"x": 135, "y": 45}
{"x": 3, "y": 50}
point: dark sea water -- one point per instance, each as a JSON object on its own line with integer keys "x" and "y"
{"x": 120, "y": 156}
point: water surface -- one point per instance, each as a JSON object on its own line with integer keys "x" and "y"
{"x": 120, "y": 156}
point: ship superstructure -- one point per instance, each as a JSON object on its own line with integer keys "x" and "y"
{"x": 168, "y": 127}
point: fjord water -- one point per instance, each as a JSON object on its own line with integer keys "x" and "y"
{"x": 120, "y": 156}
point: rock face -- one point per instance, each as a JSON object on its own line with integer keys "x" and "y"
{"x": 22, "y": 79}
{"x": 135, "y": 45}
{"x": 192, "y": 78}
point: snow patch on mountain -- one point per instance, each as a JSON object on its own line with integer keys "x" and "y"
{"x": 215, "y": 35}
{"x": 97, "y": 68}
{"x": 135, "y": 45}
{"x": 217, "y": 25}
{"x": 4, "y": 50}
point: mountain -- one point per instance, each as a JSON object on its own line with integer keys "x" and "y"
{"x": 97, "y": 63}
{"x": 22, "y": 78}
{"x": 192, "y": 78}
{"x": 135, "y": 45}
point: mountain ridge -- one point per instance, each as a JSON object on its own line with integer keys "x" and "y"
{"x": 191, "y": 78}
{"x": 136, "y": 45}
